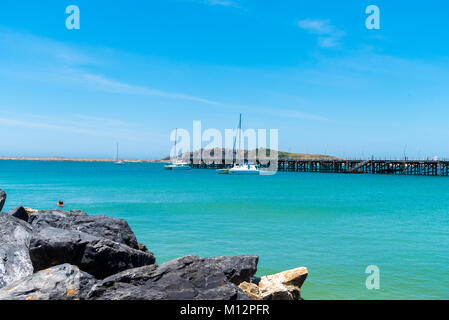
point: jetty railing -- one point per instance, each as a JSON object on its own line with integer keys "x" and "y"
{"x": 398, "y": 167}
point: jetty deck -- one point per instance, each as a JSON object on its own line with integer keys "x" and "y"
{"x": 398, "y": 167}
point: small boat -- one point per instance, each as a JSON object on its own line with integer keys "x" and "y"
{"x": 117, "y": 160}
{"x": 178, "y": 164}
{"x": 244, "y": 169}
{"x": 239, "y": 167}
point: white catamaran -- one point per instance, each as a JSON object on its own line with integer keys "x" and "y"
{"x": 177, "y": 164}
{"x": 240, "y": 167}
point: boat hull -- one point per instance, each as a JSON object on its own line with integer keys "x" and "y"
{"x": 175, "y": 168}
{"x": 247, "y": 169}
{"x": 244, "y": 172}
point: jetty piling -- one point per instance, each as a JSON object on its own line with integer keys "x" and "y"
{"x": 360, "y": 166}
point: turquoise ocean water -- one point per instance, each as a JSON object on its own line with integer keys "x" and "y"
{"x": 335, "y": 225}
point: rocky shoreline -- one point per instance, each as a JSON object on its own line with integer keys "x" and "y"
{"x": 69, "y": 255}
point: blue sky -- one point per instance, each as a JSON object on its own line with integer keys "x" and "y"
{"x": 138, "y": 69}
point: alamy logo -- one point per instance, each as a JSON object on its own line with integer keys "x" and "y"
{"x": 373, "y": 280}
{"x": 73, "y": 20}
{"x": 248, "y": 145}
{"x": 373, "y": 20}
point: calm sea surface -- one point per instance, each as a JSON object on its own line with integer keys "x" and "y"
{"x": 336, "y": 225}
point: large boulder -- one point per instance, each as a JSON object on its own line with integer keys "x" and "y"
{"x": 64, "y": 282}
{"x": 113, "y": 229}
{"x": 19, "y": 213}
{"x": 187, "y": 278}
{"x": 280, "y": 286}
{"x": 2, "y": 199}
{"x": 15, "y": 260}
{"x": 237, "y": 268}
{"x": 97, "y": 256}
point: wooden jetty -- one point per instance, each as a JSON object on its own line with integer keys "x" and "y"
{"x": 399, "y": 167}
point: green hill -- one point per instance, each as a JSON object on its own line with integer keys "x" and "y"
{"x": 281, "y": 154}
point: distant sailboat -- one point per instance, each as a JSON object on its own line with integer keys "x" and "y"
{"x": 177, "y": 164}
{"x": 240, "y": 167}
{"x": 117, "y": 160}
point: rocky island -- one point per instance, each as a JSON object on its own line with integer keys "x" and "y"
{"x": 69, "y": 255}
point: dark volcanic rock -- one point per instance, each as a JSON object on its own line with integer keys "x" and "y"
{"x": 238, "y": 268}
{"x": 15, "y": 260}
{"x": 2, "y": 199}
{"x": 64, "y": 282}
{"x": 19, "y": 213}
{"x": 143, "y": 248}
{"x": 100, "y": 257}
{"x": 113, "y": 229}
{"x": 187, "y": 278}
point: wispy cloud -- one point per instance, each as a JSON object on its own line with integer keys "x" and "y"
{"x": 26, "y": 47}
{"x": 282, "y": 112}
{"x": 114, "y": 86}
{"x": 105, "y": 121}
{"x": 300, "y": 115}
{"x": 329, "y": 36}
{"x": 49, "y": 126}
{"x": 225, "y": 3}
{"x": 80, "y": 125}
{"x": 51, "y": 60}
{"x": 322, "y": 27}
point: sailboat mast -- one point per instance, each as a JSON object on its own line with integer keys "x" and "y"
{"x": 176, "y": 142}
{"x": 233, "y": 151}
{"x": 116, "y": 154}
{"x": 240, "y": 139}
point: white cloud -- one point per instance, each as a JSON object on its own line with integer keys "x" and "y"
{"x": 80, "y": 125}
{"x": 329, "y": 36}
{"x": 49, "y": 60}
{"x": 225, "y": 3}
{"x": 282, "y": 112}
{"x": 49, "y": 126}
{"x": 329, "y": 42}
{"x": 316, "y": 26}
{"x": 300, "y": 115}
{"x": 110, "y": 85}
{"x": 104, "y": 121}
